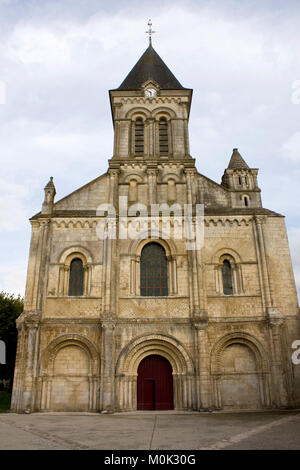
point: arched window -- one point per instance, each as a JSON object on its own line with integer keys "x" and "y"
{"x": 246, "y": 201}
{"x": 227, "y": 278}
{"x": 154, "y": 271}
{"x": 163, "y": 136}
{"x": 76, "y": 277}
{"x": 139, "y": 137}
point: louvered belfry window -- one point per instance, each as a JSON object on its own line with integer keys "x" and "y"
{"x": 163, "y": 137}
{"x": 139, "y": 137}
{"x": 227, "y": 278}
{"x": 76, "y": 278}
{"x": 154, "y": 271}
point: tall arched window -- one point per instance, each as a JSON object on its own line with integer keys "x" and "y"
{"x": 76, "y": 277}
{"x": 163, "y": 136}
{"x": 246, "y": 200}
{"x": 227, "y": 278}
{"x": 154, "y": 271}
{"x": 139, "y": 136}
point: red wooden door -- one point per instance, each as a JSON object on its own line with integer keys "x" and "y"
{"x": 155, "y": 384}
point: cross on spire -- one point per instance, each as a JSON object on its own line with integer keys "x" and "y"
{"x": 150, "y": 32}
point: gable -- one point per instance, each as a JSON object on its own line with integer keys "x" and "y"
{"x": 87, "y": 198}
{"x": 212, "y": 194}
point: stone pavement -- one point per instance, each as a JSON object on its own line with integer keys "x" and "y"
{"x": 151, "y": 431}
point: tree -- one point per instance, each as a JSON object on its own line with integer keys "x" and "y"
{"x": 10, "y": 308}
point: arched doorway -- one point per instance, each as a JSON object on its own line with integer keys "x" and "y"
{"x": 155, "y": 384}
{"x": 132, "y": 355}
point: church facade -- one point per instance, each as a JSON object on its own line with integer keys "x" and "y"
{"x": 149, "y": 321}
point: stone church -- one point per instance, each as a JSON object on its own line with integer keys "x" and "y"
{"x": 145, "y": 322}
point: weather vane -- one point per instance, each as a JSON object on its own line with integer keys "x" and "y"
{"x": 150, "y": 31}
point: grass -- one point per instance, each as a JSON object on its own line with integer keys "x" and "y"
{"x": 4, "y": 401}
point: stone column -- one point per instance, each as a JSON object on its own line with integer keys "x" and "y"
{"x": 110, "y": 256}
{"x": 31, "y": 364}
{"x": 122, "y": 141}
{"x": 186, "y": 137}
{"x": 107, "y": 379}
{"x": 27, "y": 358}
{"x": 108, "y": 319}
{"x": 113, "y": 185}
{"x": 198, "y": 303}
{"x": 178, "y": 138}
{"x": 185, "y": 117}
{"x": 275, "y": 321}
{"x": 89, "y": 279}
{"x": 202, "y": 364}
{"x": 279, "y": 394}
{"x": 18, "y": 383}
{"x": 194, "y": 256}
{"x": 259, "y": 221}
{"x": 150, "y": 126}
{"x": 116, "y": 110}
{"x": 189, "y": 172}
{"x": 61, "y": 280}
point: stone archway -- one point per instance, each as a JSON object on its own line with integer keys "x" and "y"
{"x": 166, "y": 347}
{"x": 240, "y": 373}
{"x": 69, "y": 389}
{"x": 69, "y": 374}
{"x": 239, "y": 384}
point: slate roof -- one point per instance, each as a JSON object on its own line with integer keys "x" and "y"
{"x": 237, "y": 162}
{"x": 150, "y": 66}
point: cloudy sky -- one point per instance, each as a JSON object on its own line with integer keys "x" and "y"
{"x": 58, "y": 59}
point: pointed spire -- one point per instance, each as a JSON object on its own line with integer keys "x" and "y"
{"x": 150, "y": 66}
{"x": 237, "y": 162}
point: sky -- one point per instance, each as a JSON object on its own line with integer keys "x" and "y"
{"x": 58, "y": 59}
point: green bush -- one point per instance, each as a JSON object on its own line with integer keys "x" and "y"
{"x": 4, "y": 401}
{"x": 10, "y": 308}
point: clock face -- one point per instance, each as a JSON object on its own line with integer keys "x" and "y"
{"x": 150, "y": 92}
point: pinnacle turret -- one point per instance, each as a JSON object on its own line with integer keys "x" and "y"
{"x": 241, "y": 180}
{"x": 50, "y": 192}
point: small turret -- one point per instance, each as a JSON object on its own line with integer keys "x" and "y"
{"x": 50, "y": 192}
{"x": 242, "y": 181}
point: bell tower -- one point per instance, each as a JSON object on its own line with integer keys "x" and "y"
{"x": 150, "y": 112}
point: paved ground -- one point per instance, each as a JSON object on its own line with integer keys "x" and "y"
{"x": 151, "y": 431}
